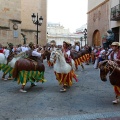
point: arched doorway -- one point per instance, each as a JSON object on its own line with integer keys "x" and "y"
{"x": 96, "y": 38}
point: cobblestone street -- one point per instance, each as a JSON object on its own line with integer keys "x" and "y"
{"x": 90, "y": 98}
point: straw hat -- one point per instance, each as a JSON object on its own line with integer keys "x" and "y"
{"x": 77, "y": 42}
{"x": 52, "y": 43}
{"x": 116, "y": 43}
{"x": 67, "y": 42}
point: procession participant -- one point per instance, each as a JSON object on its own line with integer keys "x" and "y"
{"x": 10, "y": 47}
{"x": 77, "y": 46}
{"x": 115, "y": 56}
{"x": 66, "y": 51}
{"x": 19, "y": 49}
{"x": 52, "y": 47}
{"x": 109, "y": 51}
{"x": 24, "y": 48}
{"x": 33, "y": 55}
{"x": 9, "y": 54}
{"x": 6, "y": 51}
{"x": 68, "y": 58}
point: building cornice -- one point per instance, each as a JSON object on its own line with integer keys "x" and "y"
{"x": 97, "y": 6}
{"x": 28, "y": 30}
{"x": 18, "y": 21}
{"x": 4, "y": 27}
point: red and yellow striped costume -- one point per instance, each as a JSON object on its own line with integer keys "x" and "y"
{"x": 82, "y": 59}
{"x": 117, "y": 90}
{"x": 66, "y": 79}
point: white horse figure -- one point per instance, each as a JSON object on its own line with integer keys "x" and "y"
{"x": 64, "y": 72}
{"x": 16, "y": 57}
{"x": 11, "y": 64}
{"x": 60, "y": 65}
{"x": 3, "y": 59}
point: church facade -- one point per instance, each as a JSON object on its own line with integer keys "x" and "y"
{"x": 16, "y": 23}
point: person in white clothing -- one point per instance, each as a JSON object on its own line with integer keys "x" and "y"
{"x": 6, "y": 52}
{"x": 35, "y": 53}
{"x": 77, "y": 47}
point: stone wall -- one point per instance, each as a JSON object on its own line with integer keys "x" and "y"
{"x": 10, "y": 15}
{"x": 18, "y": 13}
{"x": 98, "y": 19}
{"x": 28, "y": 28}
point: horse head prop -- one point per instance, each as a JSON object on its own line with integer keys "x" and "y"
{"x": 60, "y": 65}
{"x": 15, "y": 58}
{"x": 110, "y": 67}
{"x": 103, "y": 66}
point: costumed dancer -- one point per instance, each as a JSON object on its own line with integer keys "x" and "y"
{"x": 68, "y": 81}
{"x": 9, "y": 54}
{"x": 52, "y": 48}
{"x": 115, "y": 56}
{"x": 33, "y": 55}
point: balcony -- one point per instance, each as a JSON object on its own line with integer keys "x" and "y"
{"x": 115, "y": 13}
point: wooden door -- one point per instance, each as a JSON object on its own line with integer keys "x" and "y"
{"x": 96, "y": 38}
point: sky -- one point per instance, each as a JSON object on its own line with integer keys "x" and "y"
{"x": 71, "y": 14}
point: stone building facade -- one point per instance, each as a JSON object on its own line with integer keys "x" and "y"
{"x": 57, "y": 33}
{"x": 16, "y": 21}
{"x": 98, "y": 21}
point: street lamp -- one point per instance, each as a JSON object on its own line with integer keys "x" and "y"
{"x": 37, "y": 22}
{"x": 85, "y": 34}
{"x": 81, "y": 39}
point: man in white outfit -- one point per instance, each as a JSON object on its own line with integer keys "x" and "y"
{"x": 77, "y": 47}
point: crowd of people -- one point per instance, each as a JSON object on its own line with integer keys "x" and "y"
{"x": 37, "y": 49}
{"x": 100, "y": 53}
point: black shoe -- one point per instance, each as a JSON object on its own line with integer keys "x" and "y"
{"x": 32, "y": 85}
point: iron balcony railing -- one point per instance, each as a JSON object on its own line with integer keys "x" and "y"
{"x": 115, "y": 13}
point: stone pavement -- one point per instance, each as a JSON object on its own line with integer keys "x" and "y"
{"x": 90, "y": 98}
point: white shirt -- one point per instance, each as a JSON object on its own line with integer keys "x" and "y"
{"x": 68, "y": 53}
{"x": 35, "y": 53}
{"x": 19, "y": 49}
{"x": 77, "y": 48}
{"x": 101, "y": 53}
{"x": 24, "y": 48}
{"x": 52, "y": 48}
{"x": 115, "y": 56}
{"x": 6, "y": 53}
